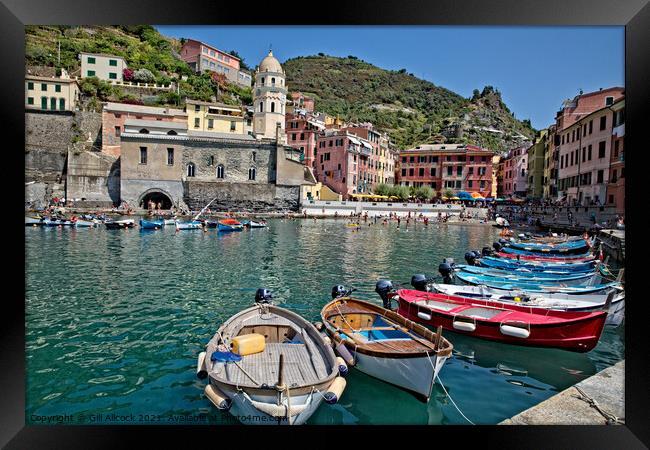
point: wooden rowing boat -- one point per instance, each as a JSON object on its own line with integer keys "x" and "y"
{"x": 120, "y": 224}
{"x": 385, "y": 345}
{"x": 285, "y": 382}
{"x": 230, "y": 225}
{"x": 502, "y": 322}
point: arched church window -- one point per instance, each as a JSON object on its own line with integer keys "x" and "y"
{"x": 251, "y": 173}
{"x": 272, "y": 106}
{"x": 261, "y": 106}
{"x": 190, "y": 170}
{"x": 220, "y": 171}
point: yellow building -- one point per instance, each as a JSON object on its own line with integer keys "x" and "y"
{"x": 215, "y": 117}
{"x": 496, "y": 159}
{"x": 51, "y": 94}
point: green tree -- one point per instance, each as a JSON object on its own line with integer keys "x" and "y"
{"x": 382, "y": 189}
{"x": 424, "y": 193}
{"x": 448, "y": 193}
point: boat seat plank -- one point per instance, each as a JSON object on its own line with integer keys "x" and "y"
{"x": 299, "y": 366}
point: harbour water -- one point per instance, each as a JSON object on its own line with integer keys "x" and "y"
{"x": 115, "y": 320}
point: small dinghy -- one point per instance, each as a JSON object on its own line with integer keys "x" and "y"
{"x": 34, "y": 221}
{"x": 151, "y": 224}
{"x": 119, "y": 224}
{"x": 384, "y": 345}
{"x": 253, "y": 224}
{"x": 230, "y": 225}
{"x": 194, "y": 225}
{"x": 501, "y": 222}
{"x": 85, "y": 223}
{"x": 169, "y": 222}
{"x": 502, "y": 322}
{"x": 268, "y": 365}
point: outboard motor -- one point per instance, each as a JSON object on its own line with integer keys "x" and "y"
{"x": 497, "y": 246}
{"x": 263, "y": 296}
{"x": 470, "y": 257}
{"x": 383, "y": 288}
{"x": 486, "y": 251}
{"x": 503, "y": 241}
{"x": 338, "y": 291}
{"x": 419, "y": 282}
{"x": 447, "y": 271}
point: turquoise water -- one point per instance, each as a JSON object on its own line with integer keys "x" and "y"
{"x": 116, "y": 319}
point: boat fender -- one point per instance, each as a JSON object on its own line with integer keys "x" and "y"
{"x": 518, "y": 332}
{"x": 464, "y": 326}
{"x": 326, "y": 338}
{"x": 201, "y": 370}
{"x": 344, "y": 353}
{"x": 424, "y": 316}
{"x": 343, "y": 368}
{"x": 218, "y": 398}
{"x": 335, "y": 391}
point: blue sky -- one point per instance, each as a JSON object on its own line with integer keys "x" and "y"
{"x": 535, "y": 68}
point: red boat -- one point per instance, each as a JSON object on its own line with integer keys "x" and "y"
{"x": 496, "y": 321}
{"x": 577, "y": 259}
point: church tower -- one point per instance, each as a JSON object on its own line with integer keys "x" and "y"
{"x": 269, "y": 100}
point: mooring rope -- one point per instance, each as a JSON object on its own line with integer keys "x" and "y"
{"x": 453, "y": 402}
{"x": 611, "y": 419}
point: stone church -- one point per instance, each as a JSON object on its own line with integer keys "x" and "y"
{"x": 166, "y": 162}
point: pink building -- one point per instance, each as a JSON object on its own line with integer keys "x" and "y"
{"x": 302, "y": 134}
{"x": 346, "y": 163}
{"x": 616, "y": 186}
{"x": 585, "y": 151}
{"x": 515, "y": 177}
{"x": 115, "y": 114}
{"x": 200, "y": 56}
{"x": 300, "y": 101}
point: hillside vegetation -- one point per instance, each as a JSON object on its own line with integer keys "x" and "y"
{"x": 149, "y": 54}
{"x": 411, "y": 110}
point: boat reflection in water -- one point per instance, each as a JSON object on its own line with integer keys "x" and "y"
{"x": 557, "y": 368}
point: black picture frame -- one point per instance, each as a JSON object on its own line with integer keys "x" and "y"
{"x": 633, "y": 14}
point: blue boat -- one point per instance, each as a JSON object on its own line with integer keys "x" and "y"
{"x": 504, "y": 284}
{"x": 516, "y": 251}
{"x": 538, "y": 277}
{"x": 230, "y": 225}
{"x": 151, "y": 224}
{"x": 193, "y": 225}
{"x": 560, "y": 248}
{"x": 505, "y": 264}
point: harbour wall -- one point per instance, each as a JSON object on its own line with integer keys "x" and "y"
{"x": 344, "y": 208}
{"x": 569, "y": 407}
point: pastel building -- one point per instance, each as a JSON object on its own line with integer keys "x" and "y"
{"x": 114, "y": 115}
{"x": 616, "y": 186}
{"x": 200, "y": 56}
{"x": 551, "y": 158}
{"x": 104, "y": 67}
{"x": 299, "y": 101}
{"x": 215, "y": 117}
{"x": 515, "y": 168}
{"x": 346, "y": 163}
{"x": 535, "y": 163}
{"x": 458, "y": 167}
{"x": 302, "y": 134}
{"x": 585, "y": 153}
{"x": 51, "y": 94}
